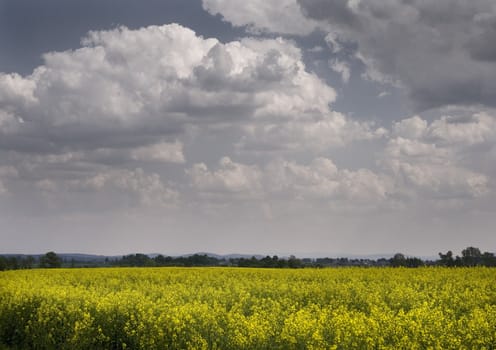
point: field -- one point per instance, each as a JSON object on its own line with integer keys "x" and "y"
{"x": 234, "y": 308}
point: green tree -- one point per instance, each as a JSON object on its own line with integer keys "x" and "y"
{"x": 446, "y": 259}
{"x": 294, "y": 262}
{"x": 398, "y": 260}
{"x": 27, "y": 262}
{"x": 471, "y": 256}
{"x": 488, "y": 259}
{"x": 413, "y": 262}
{"x": 50, "y": 260}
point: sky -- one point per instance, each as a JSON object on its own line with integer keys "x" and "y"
{"x": 305, "y": 127}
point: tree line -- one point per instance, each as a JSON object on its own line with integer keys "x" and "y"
{"x": 471, "y": 256}
{"x": 13, "y": 262}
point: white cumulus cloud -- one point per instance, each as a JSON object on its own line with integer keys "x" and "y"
{"x": 283, "y": 16}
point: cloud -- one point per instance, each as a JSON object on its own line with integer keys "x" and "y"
{"x": 105, "y": 94}
{"x": 230, "y": 177}
{"x": 135, "y": 88}
{"x": 125, "y": 118}
{"x": 467, "y": 130}
{"x": 136, "y": 185}
{"x": 258, "y": 16}
{"x": 16, "y": 90}
{"x": 432, "y": 177}
{"x": 430, "y": 159}
{"x": 452, "y": 130}
{"x": 130, "y": 96}
{"x": 441, "y": 51}
{"x": 148, "y": 187}
{"x": 320, "y": 180}
{"x": 331, "y": 130}
{"x": 161, "y": 152}
{"x": 333, "y": 41}
{"x": 413, "y": 128}
{"x": 342, "y": 68}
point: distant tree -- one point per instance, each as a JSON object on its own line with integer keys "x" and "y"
{"x": 16, "y": 262}
{"x": 161, "y": 260}
{"x": 270, "y": 261}
{"x": 139, "y": 260}
{"x": 446, "y": 259}
{"x": 3, "y": 263}
{"x": 27, "y": 263}
{"x": 398, "y": 260}
{"x": 413, "y": 262}
{"x": 488, "y": 259}
{"x": 13, "y": 262}
{"x": 471, "y": 256}
{"x": 294, "y": 262}
{"x": 50, "y": 260}
{"x": 281, "y": 263}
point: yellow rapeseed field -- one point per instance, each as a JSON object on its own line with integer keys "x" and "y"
{"x": 234, "y": 308}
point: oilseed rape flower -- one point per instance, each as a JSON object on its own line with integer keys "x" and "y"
{"x": 236, "y": 308}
